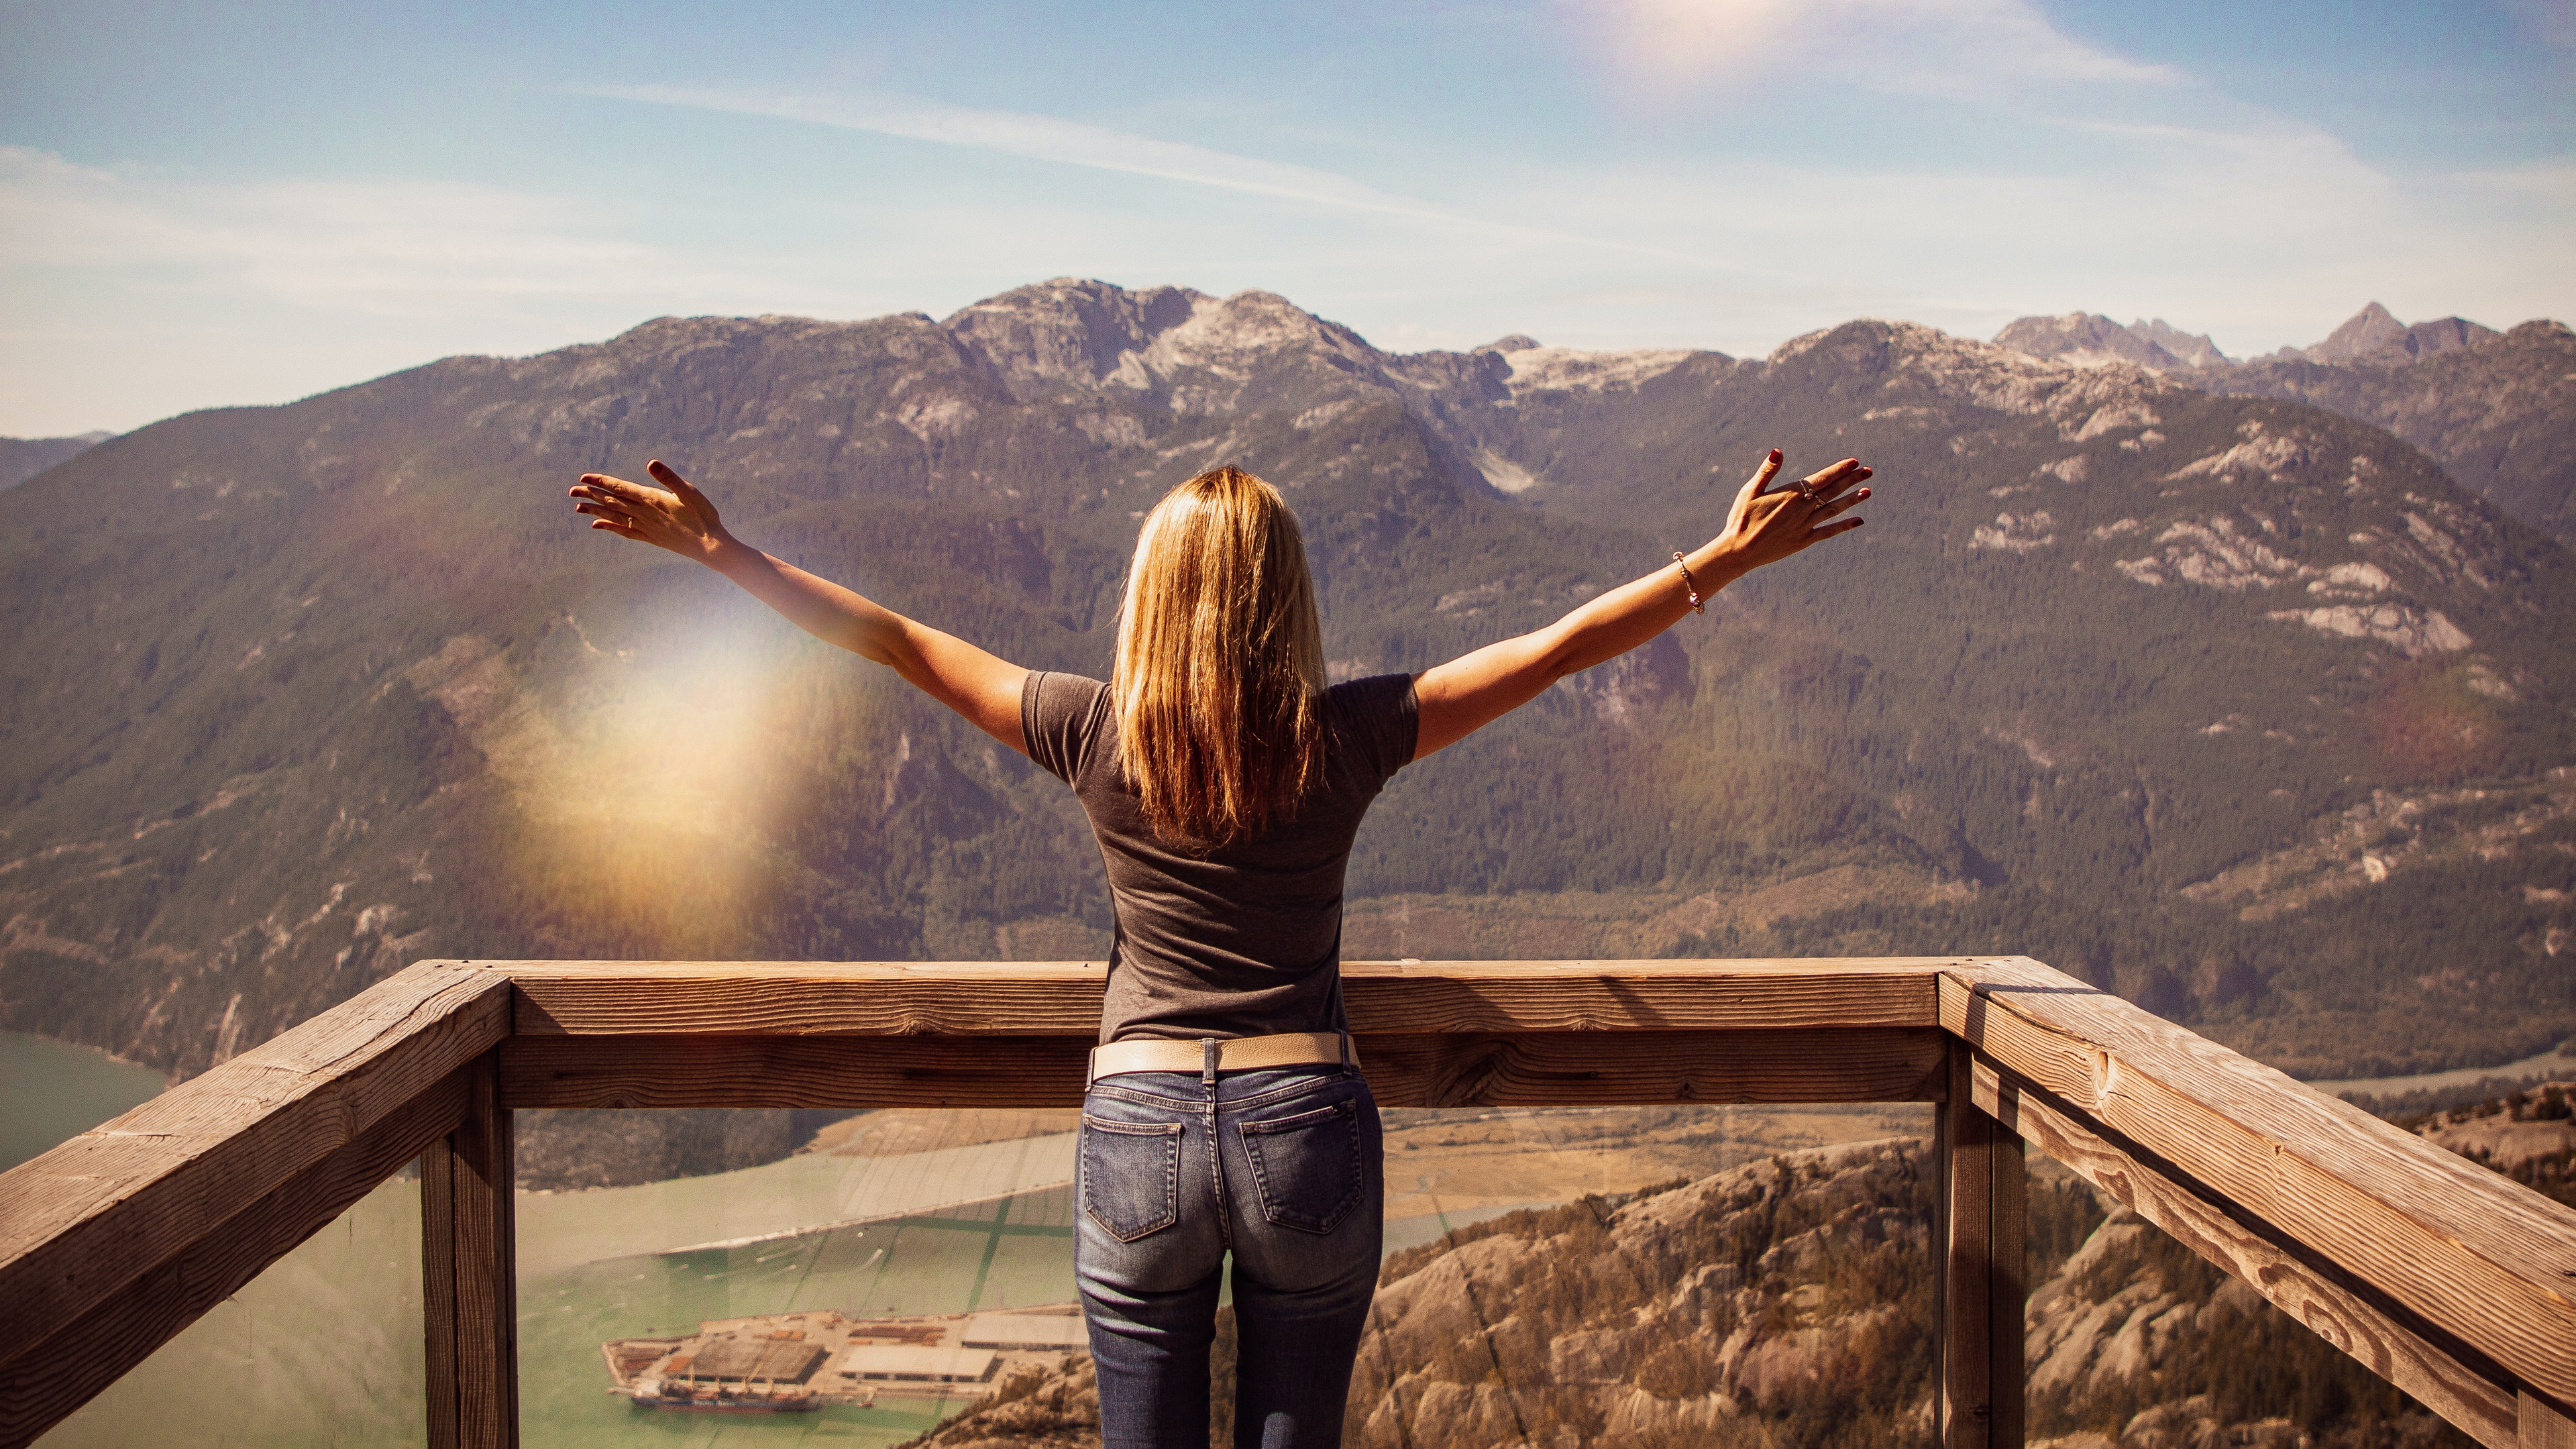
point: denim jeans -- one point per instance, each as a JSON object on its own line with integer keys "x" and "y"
{"x": 1282, "y": 1168}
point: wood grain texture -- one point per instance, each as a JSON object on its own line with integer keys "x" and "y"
{"x": 672, "y": 998}
{"x": 80, "y": 1222}
{"x": 2544, "y": 1425}
{"x": 2466, "y": 1248}
{"x": 2317, "y": 1294}
{"x": 1883, "y": 1064}
{"x": 793, "y": 1071}
{"x": 44, "y": 1379}
{"x": 1879, "y": 1064}
{"x": 470, "y": 1277}
{"x": 1963, "y": 1222}
{"x": 2007, "y": 1281}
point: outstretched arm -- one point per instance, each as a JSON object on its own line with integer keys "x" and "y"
{"x": 1469, "y": 692}
{"x": 677, "y": 517}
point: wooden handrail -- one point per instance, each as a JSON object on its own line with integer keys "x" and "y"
{"x": 2453, "y": 1282}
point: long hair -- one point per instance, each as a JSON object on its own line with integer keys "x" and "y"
{"x": 1220, "y": 680}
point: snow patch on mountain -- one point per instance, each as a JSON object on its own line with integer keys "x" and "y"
{"x": 1573, "y": 370}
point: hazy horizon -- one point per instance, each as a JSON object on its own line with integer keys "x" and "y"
{"x": 257, "y": 205}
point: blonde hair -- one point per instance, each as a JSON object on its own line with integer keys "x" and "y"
{"x": 1220, "y": 679}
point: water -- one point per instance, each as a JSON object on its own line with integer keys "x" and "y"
{"x": 54, "y": 1091}
{"x": 325, "y": 1347}
{"x": 1014, "y": 1251}
{"x": 321, "y": 1351}
{"x": 2557, "y": 1060}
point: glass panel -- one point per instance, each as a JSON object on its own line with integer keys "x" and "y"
{"x": 322, "y": 1349}
{"x": 2135, "y": 1339}
{"x": 1651, "y": 1275}
{"x": 1514, "y": 1284}
{"x": 881, "y": 1233}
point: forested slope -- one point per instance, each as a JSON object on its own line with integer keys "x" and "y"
{"x": 2232, "y": 704}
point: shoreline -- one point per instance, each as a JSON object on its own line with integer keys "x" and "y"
{"x": 169, "y": 1079}
{"x": 2556, "y": 1059}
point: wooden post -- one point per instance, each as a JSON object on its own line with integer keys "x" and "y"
{"x": 2541, "y": 1425}
{"x": 469, "y": 1276}
{"x": 1978, "y": 1236}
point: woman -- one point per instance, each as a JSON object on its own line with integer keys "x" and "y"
{"x": 1225, "y": 781}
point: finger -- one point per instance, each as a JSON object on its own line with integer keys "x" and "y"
{"x": 669, "y": 477}
{"x": 602, "y": 510}
{"x": 1831, "y": 481}
{"x": 1769, "y": 470}
{"x": 1829, "y": 530}
{"x": 1835, "y": 473}
{"x": 1844, "y": 504}
{"x": 617, "y": 487}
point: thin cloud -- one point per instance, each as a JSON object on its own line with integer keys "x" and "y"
{"x": 1074, "y": 143}
{"x": 391, "y": 246}
{"x": 1928, "y": 47}
{"x": 1044, "y": 138}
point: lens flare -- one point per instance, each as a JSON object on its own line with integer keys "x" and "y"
{"x": 646, "y": 788}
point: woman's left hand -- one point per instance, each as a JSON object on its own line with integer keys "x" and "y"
{"x": 675, "y": 516}
{"x": 1768, "y": 524}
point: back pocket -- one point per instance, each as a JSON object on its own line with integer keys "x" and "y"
{"x": 1131, "y": 1176}
{"x": 1307, "y": 1167}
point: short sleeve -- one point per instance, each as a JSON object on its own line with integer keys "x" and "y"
{"x": 1059, "y": 717}
{"x": 1377, "y": 721}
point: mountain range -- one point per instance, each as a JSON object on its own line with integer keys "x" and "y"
{"x": 2496, "y": 409}
{"x": 24, "y": 458}
{"x": 2233, "y": 703}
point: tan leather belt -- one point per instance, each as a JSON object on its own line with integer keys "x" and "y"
{"x": 1234, "y": 1054}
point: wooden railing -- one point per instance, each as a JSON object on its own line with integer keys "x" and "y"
{"x": 2449, "y": 1281}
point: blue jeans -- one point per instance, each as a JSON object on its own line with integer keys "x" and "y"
{"x": 1282, "y": 1168}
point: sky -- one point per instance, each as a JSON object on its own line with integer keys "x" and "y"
{"x": 206, "y": 205}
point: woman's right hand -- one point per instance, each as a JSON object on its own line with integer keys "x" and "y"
{"x": 675, "y": 516}
{"x": 1767, "y": 525}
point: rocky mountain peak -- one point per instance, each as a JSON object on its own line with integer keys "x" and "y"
{"x": 1990, "y": 375}
{"x": 2088, "y": 339}
{"x": 1194, "y": 352}
{"x": 1573, "y": 370}
{"x": 2374, "y": 334}
{"x": 2195, "y": 349}
{"x": 1068, "y": 330}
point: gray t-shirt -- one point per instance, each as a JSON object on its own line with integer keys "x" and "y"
{"x": 1245, "y": 940}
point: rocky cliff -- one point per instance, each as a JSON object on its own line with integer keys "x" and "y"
{"x": 1788, "y": 1304}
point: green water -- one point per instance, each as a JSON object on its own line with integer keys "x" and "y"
{"x": 324, "y": 1348}
{"x": 321, "y": 1351}
{"x": 51, "y": 1091}
{"x": 1011, "y": 1252}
